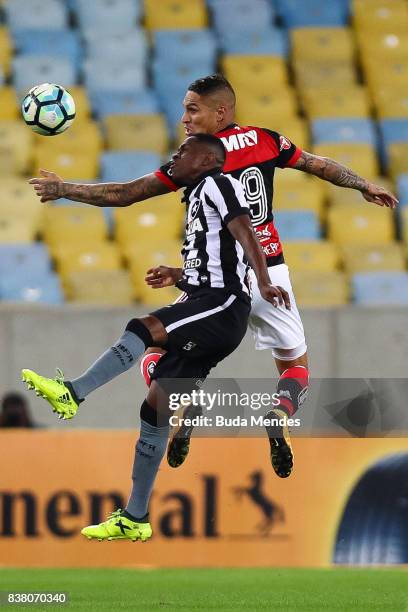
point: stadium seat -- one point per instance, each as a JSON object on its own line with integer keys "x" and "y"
{"x": 108, "y": 287}
{"x": 320, "y": 289}
{"x": 379, "y": 14}
{"x": 318, "y": 256}
{"x": 403, "y": 214}
{"x": 18, "y": 199}
{"x": 9, "y": 104}
{"x": 297, "y": 225}
{"x": 397, "y": 159}
{"x": 143, "y": 132}
{"x": 240, "y": 15}
{"x": 392, "y": 77}
{"x": 6, "y": 50}
{"x": 29, "y": 260}
{"x": 307, "y": 195}
{"x": 254, "y": 72}
{"x": 361, "y": 158}
{"x": 360, "y": 224}
{"x": 298, "y": 13}
{"x": 323, "y": 74}
{"x": 147, "y": 222}
{"x": 266, "y": 109}
{"x": 325, "y": 103}
{"x": 110, "y": 102}
{"x": 118, "y": 166}
{"x": 74, "y": 224}
{"x": 322, "y": 44}
{"x": 15, "y": 148}
{"x": 50, "y": 14}
{"x": 266, "y": 41}
{"x": 82, "y": 256}
{"x": 69, "y": 165}
{"x": 100, "y": 74}
{"x": 17, "y": 228}
{"x": 402, "y": 189}
{"x": 108, "y": 16}
{"x": 46, "y": 290}
{"x": 29, "y": 70}
{"x": 371, "y": 258}
{"x": 339, "y": 196}
{"x": 391, "y": 103}
{"x": 127, "y": 46}
{"x": 343, "y": 130}
{"x": 380, "y": 288}
{"x": 199, "y": 45}
{"x": 394, "y": 130}
{"x": 295, "y": 129}
{"x": 82, "y": 137}
{"x": 175, "y": 14}
{"x": 60, "y": 43}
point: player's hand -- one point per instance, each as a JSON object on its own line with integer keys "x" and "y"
{"x": 276, "y": 295}
{"x": 48, "y": 186}
{"x": 163, "y": 276}
{"x": 380, "y": 196}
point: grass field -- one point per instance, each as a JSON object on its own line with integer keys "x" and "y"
{"x": 216, "y": 589}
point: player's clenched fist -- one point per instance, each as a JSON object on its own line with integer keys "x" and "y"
{"x": 48, "y": 186}
{"x": 275, "y": 295}
{"x": 163, "y": 276}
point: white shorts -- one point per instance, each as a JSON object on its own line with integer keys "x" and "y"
{"x": 276, "y": 328}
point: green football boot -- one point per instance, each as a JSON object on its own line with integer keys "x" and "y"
{"x": 118, "y": 527}
{"x": 280, "y": 446}
{"x": 54, "y": 390}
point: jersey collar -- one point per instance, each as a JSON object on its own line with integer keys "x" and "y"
{"x": 231, "y": 126}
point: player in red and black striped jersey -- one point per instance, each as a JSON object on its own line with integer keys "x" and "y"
{"x": 252, "y": 155}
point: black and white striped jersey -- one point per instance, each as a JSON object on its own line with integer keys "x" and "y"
{"x": 212, "y": 258}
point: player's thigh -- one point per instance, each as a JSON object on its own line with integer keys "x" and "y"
{"x": 276, "y": 327}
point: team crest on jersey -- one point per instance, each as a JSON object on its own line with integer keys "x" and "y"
{"x": 284, "y": 143}
{"x": 194, "y": 209}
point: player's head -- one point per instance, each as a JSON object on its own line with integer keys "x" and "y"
{"x": 198, "y": 154}
{"x": 209, "y": 105}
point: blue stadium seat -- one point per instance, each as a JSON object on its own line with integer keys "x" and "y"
{"x": 30, "y": 70}
{"x": 22, "y": 289}
{"x": 63, "y": 43}
{"x": 242, "y": 15}
{"x": 297, "y": 225}
{"x": 265, "y": 41}
{"x": 24, "y": 15}
{"x": 118, "y": 166}
{"x": 394, "y": 130}
{"x": 32, "y": 260}
{"x": 130, "y": 46}
{"x": 103, "y": 74}
{"x": 304, "y": 13}
{"x": 343, "y": 130}
{"x": 381, "y": 288}
{"x": 198, "y": 45}
{"x": 108, "y": 15}
{"x": 402, "y": 189}
{"x": 112, "y": 102}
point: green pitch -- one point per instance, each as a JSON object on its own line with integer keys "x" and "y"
{"x": 215, "y": 589}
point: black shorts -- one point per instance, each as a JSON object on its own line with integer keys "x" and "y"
{"x": 202, "y": 330}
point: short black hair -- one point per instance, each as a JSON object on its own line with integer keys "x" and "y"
{"x": 215, "y": 144}
{"x": 211, "y": 84}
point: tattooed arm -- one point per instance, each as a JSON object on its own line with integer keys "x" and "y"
{"x": 51, "y": 187}
{"x": 330, "y": 170}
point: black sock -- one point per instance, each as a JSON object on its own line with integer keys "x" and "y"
{"x": 144, "y": 519}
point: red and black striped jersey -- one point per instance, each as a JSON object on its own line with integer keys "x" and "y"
{"x": 253, "y": 153}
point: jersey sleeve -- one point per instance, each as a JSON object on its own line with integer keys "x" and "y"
{"x": 288, "y": 154}
{"x": 228, "y": 197}
{"x": 164, "y": 175}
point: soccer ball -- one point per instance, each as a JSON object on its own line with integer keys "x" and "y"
{"x": 48, "y": 109}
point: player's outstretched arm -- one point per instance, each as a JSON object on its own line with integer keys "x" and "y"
{"x": 242, "y": 230}
{"x": 49, "y": 186}
{"x": 330, "y": 170}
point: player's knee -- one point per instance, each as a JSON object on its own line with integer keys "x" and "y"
{"x": 150, "y": 329}
{"x": 139, "y": 329}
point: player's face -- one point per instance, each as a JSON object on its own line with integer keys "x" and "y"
{"x": 201, "y": 114}
{"x": 187, "y": 162}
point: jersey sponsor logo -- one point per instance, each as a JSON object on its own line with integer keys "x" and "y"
{"x": 284, "y": 143}
{"x": 194, "y": 226}
{"x": 192, "y": 263}
{"x": 235, "y": 142}
{"x": 269, "y": 239}
{"x": 190, "y": 345}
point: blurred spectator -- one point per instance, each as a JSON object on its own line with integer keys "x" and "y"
{"x": 15, "y": 411}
